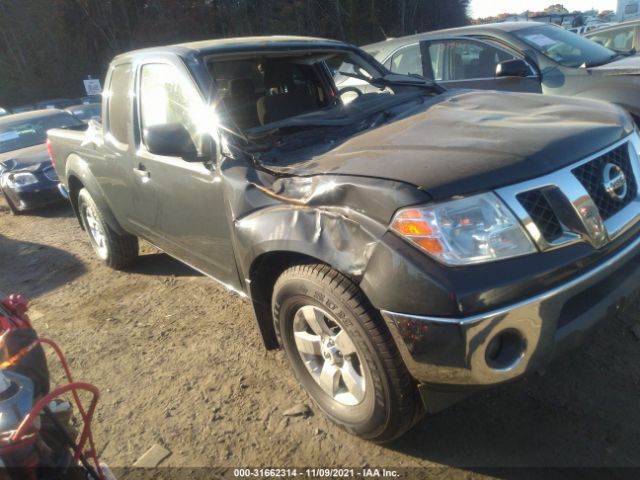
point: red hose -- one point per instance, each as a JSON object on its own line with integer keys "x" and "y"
{"x": 26, "y": 433}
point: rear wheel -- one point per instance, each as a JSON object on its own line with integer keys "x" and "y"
{"x": 342, "y": 353}
{"x": 116, "y": 251}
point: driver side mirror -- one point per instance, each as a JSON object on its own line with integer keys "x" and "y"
{"x": 513, "y": 68}
{"x": 171, "y": 140}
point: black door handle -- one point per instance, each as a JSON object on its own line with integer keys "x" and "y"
{"x": 141, "y": 172}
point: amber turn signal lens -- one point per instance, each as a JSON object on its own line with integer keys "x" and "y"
{"x": 431, "y": 245}
{"x": 413, "y": 228}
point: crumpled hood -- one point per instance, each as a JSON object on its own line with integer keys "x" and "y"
{"x": 30, "y": 159}
{"x": 472, "y": 141}
{"x": 624, "y": 66}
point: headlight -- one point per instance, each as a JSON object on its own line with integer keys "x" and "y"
{"x": 460, "y": 232}
{"x": 20, "y": 179}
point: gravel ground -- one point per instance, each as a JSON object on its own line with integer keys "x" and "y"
{"x": 180, "y": 363}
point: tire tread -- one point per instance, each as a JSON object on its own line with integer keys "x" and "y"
{"x": 122, "y": 249}
{"x": 406, "y": 405}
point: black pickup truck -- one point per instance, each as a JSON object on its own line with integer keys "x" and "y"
{"x": 405, "y": 249}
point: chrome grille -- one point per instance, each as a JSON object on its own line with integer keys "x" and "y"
{"x": 594, "y": 200}
{"x": 590, "y": 175}
{"x": 51, "y": 174}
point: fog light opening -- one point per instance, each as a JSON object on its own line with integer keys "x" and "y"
{"x": 505, "y": 350}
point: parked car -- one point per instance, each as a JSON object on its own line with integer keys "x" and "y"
{"x": 89, "y": 99}
{"x": 405, "y": 250}
{"x": 622, "y": 37}
{"x": 56, "y": 103}
{"x": 22, "y": 109}
{"x": 517, "y": 56}
{"x": 27, "y": 178}
{"x": 91, "y": 111}
{"x": 583, "y": 29}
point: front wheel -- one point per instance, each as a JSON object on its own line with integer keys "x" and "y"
{"x": 342, "y": 353}
{"x": 116, "y": 251}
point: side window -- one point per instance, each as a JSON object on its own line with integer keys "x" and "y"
{"x": 167, "y": 97}
{"x": 621, "y": 39}
{"x": 436, "y": 58}
{"x": 407, "y": 60}
{"x": 120, "y": 103}
{"x": 472, "y": 60}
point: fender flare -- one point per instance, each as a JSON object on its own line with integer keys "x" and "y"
{"x": 341, "y": 238}
{"x": 273, "y": 239}
{"x": 78, "y": 168}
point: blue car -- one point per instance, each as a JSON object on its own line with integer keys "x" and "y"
{"x": 28, "y": 180}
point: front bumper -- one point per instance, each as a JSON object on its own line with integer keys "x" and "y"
{"x": 501, "y": 345}
{"x": 34, "y": 196}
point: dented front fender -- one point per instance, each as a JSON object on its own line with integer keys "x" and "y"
{"x": 335, "y": 219}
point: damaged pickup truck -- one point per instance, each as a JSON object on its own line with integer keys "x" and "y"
{"x": 405, "y": 249}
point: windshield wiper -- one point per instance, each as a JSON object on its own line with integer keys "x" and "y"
{"x": 626, "y": 53}
{"x": 382, "y": 82}
{"x": 604, "y": 62}
{"x": 375, "y": 81}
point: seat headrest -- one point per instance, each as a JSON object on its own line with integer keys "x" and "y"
{"x": 242, "y": 88}
{"x": 278, "y": 74}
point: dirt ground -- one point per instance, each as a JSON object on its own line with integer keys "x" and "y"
{"x": 180, "y": 363}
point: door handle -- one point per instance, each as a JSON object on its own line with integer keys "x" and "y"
{"x": 142, "y": 172}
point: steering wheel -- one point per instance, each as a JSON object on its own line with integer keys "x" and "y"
{"x": 344, "y": 90}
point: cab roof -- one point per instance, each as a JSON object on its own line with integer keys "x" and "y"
{"x": 239, "y": 44}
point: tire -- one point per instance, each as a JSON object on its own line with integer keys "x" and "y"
{"x": 12, "y": 208}
{"x": 325, "y": 323}
{"x": 116, "y": 251}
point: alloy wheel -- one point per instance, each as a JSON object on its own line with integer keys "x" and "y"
{"x": 96, "y": 232}
{"x": 329, "y": 355}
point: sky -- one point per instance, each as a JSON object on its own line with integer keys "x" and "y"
{"x": 488, "y": 8}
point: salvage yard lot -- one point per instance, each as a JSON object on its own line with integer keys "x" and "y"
{"x": 180, "y": 363}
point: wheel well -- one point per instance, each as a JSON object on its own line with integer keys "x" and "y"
{"x": 264, "y": 272}
{"x": 75, "y": 185}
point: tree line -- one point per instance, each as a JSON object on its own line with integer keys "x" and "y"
{"x": 47, "y": 47}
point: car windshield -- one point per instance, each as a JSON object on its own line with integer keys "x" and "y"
{"x": 27, "y": 133}
{"x": 564, "y": 47}
{"x": 271, "y": 91}
{"x": 86, "y": 112}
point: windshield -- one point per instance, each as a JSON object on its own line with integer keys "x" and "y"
{"x": 86, "y": 112}
{"x": 345, "y": 67}
{"x": 27, "y": 133}
{"x": 564, "y": 47}
{"x": 275, "y": 89}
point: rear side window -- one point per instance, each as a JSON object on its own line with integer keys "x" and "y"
{"x": 620, "y": 39}
{"x": 436, "y": 57}
{"x": 407, "y": 60}
{"x": 120, "y": 103}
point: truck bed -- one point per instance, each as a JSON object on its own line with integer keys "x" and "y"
{"x": 64, "y": 142}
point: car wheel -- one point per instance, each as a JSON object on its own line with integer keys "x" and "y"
{"x": 12, "y": 207}
{"x": 342, "y": 353}
{"x": 116, "y": 251}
